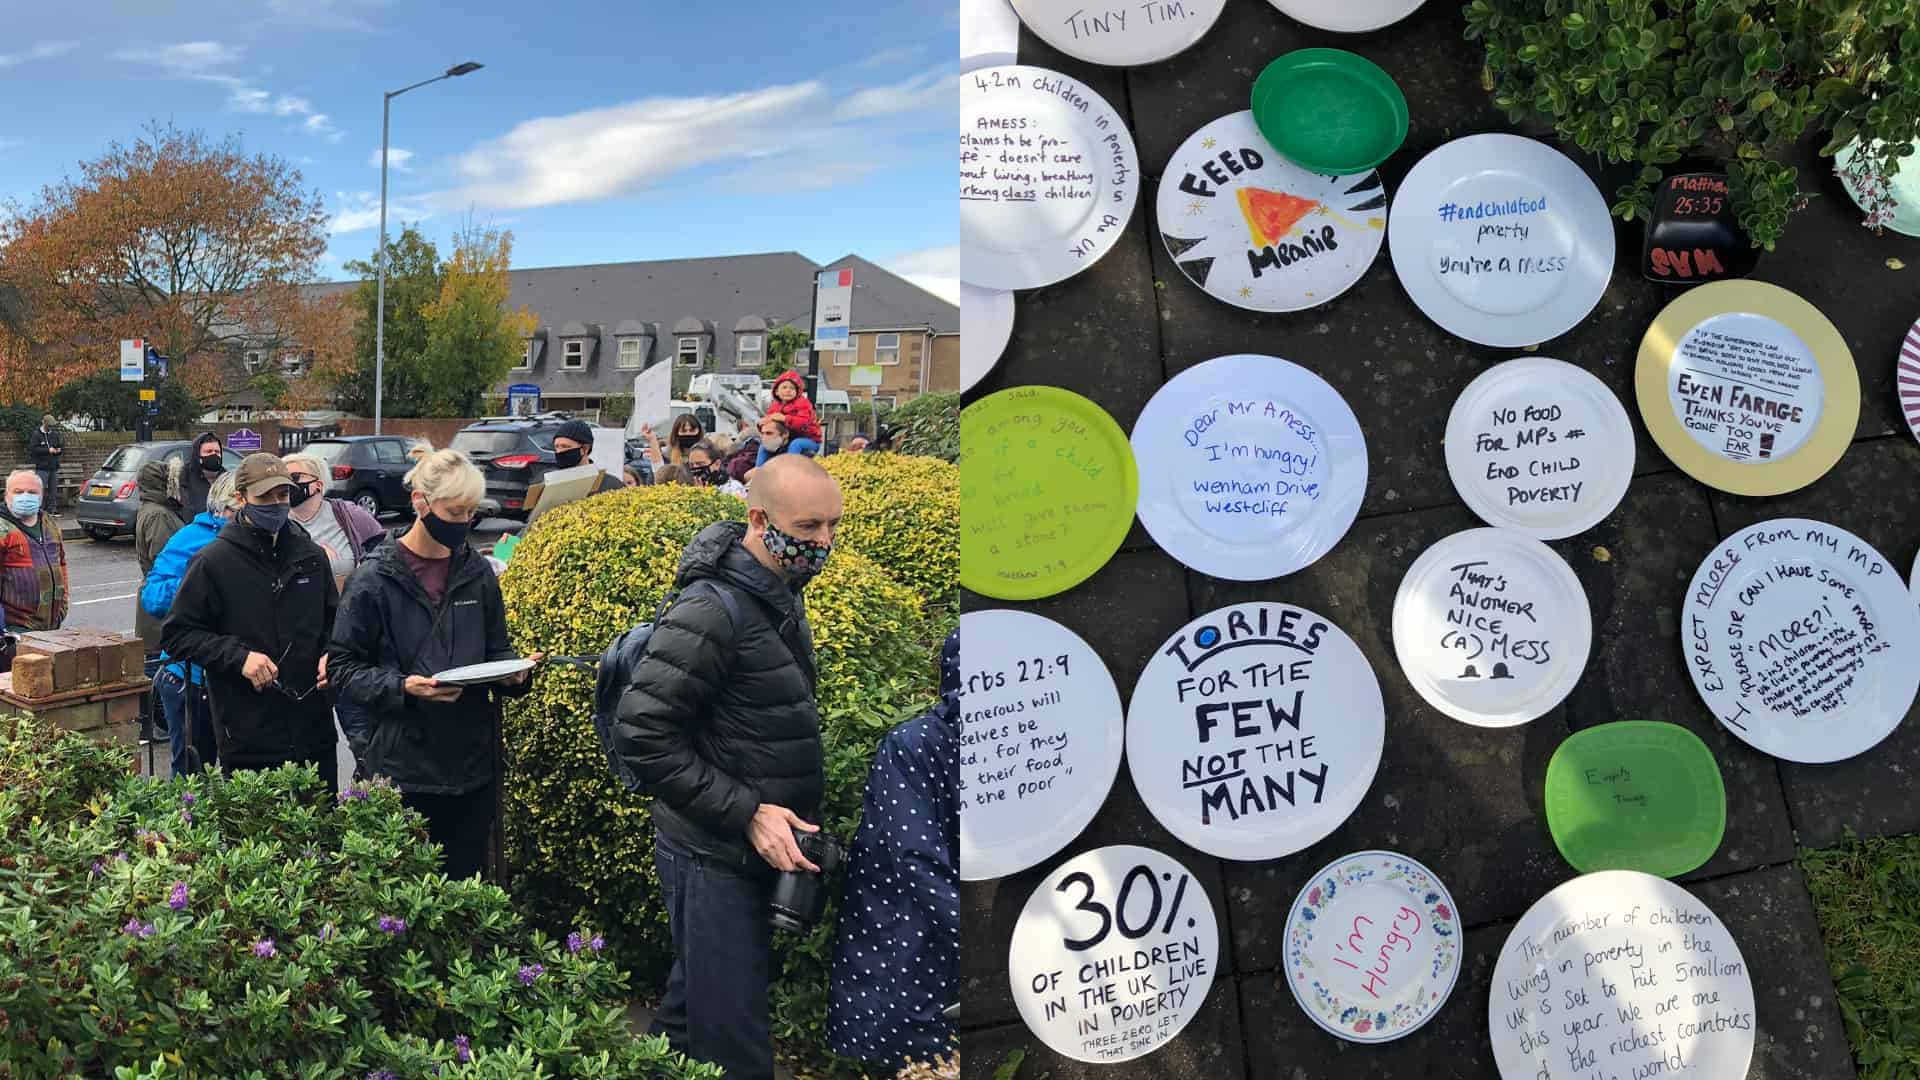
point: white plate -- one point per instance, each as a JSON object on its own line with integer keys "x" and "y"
{"x": 1539, "y": 446}
{"x": 986, "y": 321}
{"x": 1491, "y": 627}
{"x": 1529, "y": 264}
{"x": 1255, "y": 731}
{"x": 1348, "y": 16}
{"x": 1907, "y": 378}
{"x": 1041, "y": 730}
{"x": 1793, "y": 616}
{"x": 1253, "y": 229}
{"x": 1602, "y": 949}
{"x": 1113, "y": 954}
{"x": 1048, "y": 177}
{"x": 989, "y": 34}
{"x": 1373, "y": 946}
{"x": 1251, "y": 467}
{"x": 1119, "y": 35}
{"x": 491, "y": 671}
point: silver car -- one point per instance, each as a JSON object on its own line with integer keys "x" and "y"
{"x": 110, "y": 500}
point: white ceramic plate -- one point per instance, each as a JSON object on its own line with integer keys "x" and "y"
{"x": 1540, "y": 446}
{"x": 1373, "y": 946}
{"x": 1041, "y": 730}
{"x": 1802, "y": 640}
{"x": 1251, "y": 228}
{"x": 986, "y": 321}
{"x": 1501, "y": 240}
{"x": 1255, "y": 731}
{"x": 989, "y": 34}
{"x": 1251, "y": 467}
{"x": 1491, "y": 627}
{"x": 1113, "y": 954}
{"x": 1119, "y": 35}
{"x": 1048, "y": 177}
{"x": 491, "y": 671}
{"x": 1348, "y": 16}
{"x": 1643, "y": 975}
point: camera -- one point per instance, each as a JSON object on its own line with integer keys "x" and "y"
{"x": 799, "y": 896}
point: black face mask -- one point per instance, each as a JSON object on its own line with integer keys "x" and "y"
{"x": 686, "y": 440}
{"x": 567, "y": 459}
{"x": 448, "y": 534}
{"x": 299, "y": 494}
{"x": 212, "y": 464}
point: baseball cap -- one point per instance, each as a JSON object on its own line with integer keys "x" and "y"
{"x": 261, "y": 473}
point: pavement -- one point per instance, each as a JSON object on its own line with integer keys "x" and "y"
{"x": 1464, "y": 800}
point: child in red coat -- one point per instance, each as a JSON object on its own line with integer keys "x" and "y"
{"x": 790, "y": 401}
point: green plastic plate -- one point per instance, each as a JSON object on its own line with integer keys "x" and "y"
{"x": 1047, "y": 492}
{"x": 1330, "y": 111}
{"x": 1635, "y": 795}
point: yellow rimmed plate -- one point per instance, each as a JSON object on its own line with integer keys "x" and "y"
{"x": 1747, "y": 388}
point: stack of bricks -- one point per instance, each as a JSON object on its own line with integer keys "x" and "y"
{"x": 83, "y": 680}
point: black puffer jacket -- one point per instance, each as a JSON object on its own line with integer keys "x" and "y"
{"x": 194, "y": 480}
{"x": 387, "y": 630}
{"x": 720, "y": 716}
{"x": 242, "y": 594}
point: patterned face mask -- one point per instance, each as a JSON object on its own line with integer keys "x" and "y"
{"x": 801, "y": 559}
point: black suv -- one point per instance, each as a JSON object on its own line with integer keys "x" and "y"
{"x": 368, "y": 469}
{"x": 512, "y": 454}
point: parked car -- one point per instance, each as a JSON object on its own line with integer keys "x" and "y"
{"x": 110, "y": 499}
{"x": 369, "y": 469}
{"x": 513, "y": 454}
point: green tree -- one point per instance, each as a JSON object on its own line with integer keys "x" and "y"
{"x": 473, "y": 338}
{"x": 782, "y": 343}
{"x": 115, "y": 406}
{"x": 413, "y": 284}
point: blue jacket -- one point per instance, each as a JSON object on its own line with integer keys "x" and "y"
{"x": 896, "y": 962}
{"x": 156, "y": 596}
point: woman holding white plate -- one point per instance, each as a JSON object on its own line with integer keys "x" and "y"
{"x": 425, "y": 604}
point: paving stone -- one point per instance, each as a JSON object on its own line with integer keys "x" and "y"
{"x": 1873, "y": 793}
{"x": 1209, "y": 1046}
{"x": 1463, "y": 800}
{"x": 1652, "y": 543}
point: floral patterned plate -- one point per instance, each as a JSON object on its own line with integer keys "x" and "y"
{"x": 1373, "y": 946}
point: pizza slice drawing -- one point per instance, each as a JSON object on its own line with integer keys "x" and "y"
{"x": 1272, "y": 214}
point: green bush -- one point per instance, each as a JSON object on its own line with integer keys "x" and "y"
{"x": 903, "y": 512}
{"x": 581, "y": 845}
{"x": 929, "y": 425}
{"x": 254, "y": 927}
{"x": 1739, "y": 81}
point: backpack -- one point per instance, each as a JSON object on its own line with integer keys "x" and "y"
{"x": 616, "y": 669}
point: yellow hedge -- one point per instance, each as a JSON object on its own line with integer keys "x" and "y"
{"x": 903, "y": 512}
{"x": 577, "y": 841}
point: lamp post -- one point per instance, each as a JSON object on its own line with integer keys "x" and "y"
{"x": 380, "y": 256}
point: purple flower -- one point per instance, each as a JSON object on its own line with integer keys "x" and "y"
{"x": 462, "y": 1051}
{"x": 136, "y": 928}
{"x": 326, "y": 932}
{"x": 186, "y": 816}
{"x": 381, "y": 1074}
{"x": 597, "y": 943}
{"x": 573, "y": 942}
{"x": 531, "y": 972}
{"x": 352, "y": 793}
{"x": 187, "y": 798}
{"x": 178, "y": 900}
{"x": 391, "y": 925}
{"x": 264, "y": 949}
{"x": 99, "y": 868}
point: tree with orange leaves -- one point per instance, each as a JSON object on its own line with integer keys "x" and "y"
{"x": 473, "y": 338}
{"x": 191, "y": 244}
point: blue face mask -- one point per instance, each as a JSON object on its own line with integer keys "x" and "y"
{"x": 25, "y": 504}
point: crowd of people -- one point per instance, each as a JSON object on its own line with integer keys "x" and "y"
{"x": 279, "y": 619}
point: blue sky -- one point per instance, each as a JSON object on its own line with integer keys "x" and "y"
{"x": 596, "y": 132}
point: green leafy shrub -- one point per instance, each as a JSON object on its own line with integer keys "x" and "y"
{"x": 903, "y": 512}
{"x": 1648, "y": 82}
{"x": 929, "y": 425}
{"x": 581, "y": 845}
{"x": 253, "y": 927}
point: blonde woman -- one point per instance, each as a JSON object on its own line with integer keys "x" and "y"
{"x": 422, "y": 604}
{"x": 343, "y": 530}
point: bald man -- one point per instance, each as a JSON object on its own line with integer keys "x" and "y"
{"x": 718, "y": 722}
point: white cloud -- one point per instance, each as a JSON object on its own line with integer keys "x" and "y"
{"x": 360, "y": 210}
{"x": 397, "y": 159}
{"x": 42, "y": 50}
{"x": 889, "y": 57}
{"x": 188, "y": 59}
{"x": 936, "y": 270}
{"x": 928, "y": 89}
{"x": 211, "y": 62}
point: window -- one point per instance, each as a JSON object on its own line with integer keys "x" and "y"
{"x": 390, "y": 452}
{"x": 886, "y": 348}
{"x": 575, "y": 356}
{"x": 748, "y": 352}
{"x": 253, "y": 363}
{"x": 630, "y": 354}
{"x": 689, "y": 352}
{"x": 292, "y": 364}
{"x": 526, "y": 358}
{"x": 883, "y": 402}
{"x": 845, "y": 357}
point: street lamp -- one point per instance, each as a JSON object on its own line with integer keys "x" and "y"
{"x": 380, "y": 256}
